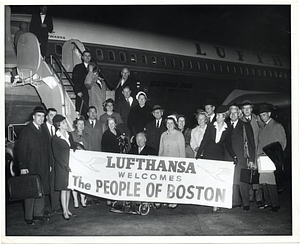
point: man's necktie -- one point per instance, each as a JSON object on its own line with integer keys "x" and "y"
{"x": 51, "y": 128}
{"x": 92, "y": 123}
{"x": 157, "y": 124}
{"x": 128, "y": 101}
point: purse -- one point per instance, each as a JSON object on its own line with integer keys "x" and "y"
{"x": 25, "y": 187}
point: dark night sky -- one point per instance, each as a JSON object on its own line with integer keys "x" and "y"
{"x": 264, "y": 28}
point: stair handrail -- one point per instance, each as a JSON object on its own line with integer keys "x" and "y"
{"x": 52, "y": 56}
{"x": 106, "y": 80}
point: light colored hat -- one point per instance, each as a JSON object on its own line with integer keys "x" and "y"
{"x": 140, "y": 93}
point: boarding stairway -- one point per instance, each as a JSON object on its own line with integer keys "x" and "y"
{"x": 50, "y": 78}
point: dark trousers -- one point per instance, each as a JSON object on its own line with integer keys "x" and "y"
{"x": 270, "y": 195}
{"x": 256, "y": 192}
{"x": 240, "y": 194}
{"x": 34, "y": 207}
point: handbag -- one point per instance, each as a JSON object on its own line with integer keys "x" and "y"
{"x": 249, "y": 176}
{"x": 25, "y": 187}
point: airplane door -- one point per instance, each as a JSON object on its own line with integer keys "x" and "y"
{"x": 71, "y": 55}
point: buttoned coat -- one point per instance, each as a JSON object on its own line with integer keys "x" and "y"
{"x": 41, "y": 32}
{"x": 79, "y": 74}
{"x": 147, "y": 150}
{"x": 123, "y": 108}
{"x": 95, "y": 134}
{"x": 138, "y": 119}
{"x": 153, "y": 134}
{"x": 119, "y": 88}
{"x": 34, "y": 153}
{"x": 212, "y": 150}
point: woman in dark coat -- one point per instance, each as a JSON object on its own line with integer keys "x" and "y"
{"x": 82, "y": 141}
{"x": 110, "y": 138}
{"x": 215, "y": 139}
{"x": 62, "y": 142}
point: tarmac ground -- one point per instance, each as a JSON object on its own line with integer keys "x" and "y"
{"x": 185, "y": 220}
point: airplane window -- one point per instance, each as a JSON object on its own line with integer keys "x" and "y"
{"x": 258, "y": 71}
{"x": 270, "y": 73}
{"x": 99, "y": 54}
{"x": 234, "y": 69}
{"x": 172, "y": 61}
{"x": 275, "y": 74}
{"x": 264, "y": 73}
{"x": 181, "y": 64}
{"x": 198, "y": 65}
{"x": 111, "y": 55}
{"x": 163, "y": 61}
{"x": 247, "y": 71}
{"x": 205, "y": 66}
{"x": 133, "y": 58}
{"x": 220, "y": 68}
{"x": 227, "y": 67}
{"x": 144, "y": 59}
{"x": 153, "y": 60}
{"x": 241, "y": 70}
{"x": 280, "y": 75}
{"x": 213, "y": 67}
{"x": 58, "y": 49}
{"x": 122, "y": 57}
{"x": 190, "y": 66}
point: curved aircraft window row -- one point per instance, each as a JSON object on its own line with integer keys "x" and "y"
{"x": 174, "y": 63}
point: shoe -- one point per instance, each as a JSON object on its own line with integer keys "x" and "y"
{"x": 172, "y": 205}
{"x": 29, "y": 222}
{"x": 66, "y": 218}
{"x": 246, "y": 208}
{"x": 274, "y": 209}
{"x": 215, "y": 210}
{"x": 88, "y": 203}
{"x": 76, "y": 206}
{"x": 261, "y": 205}
{"x": 132, "y": 212}
{"x": 236, "y": 206}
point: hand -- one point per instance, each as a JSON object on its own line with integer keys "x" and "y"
{"x": 235, "y": 160}
{"x": 24, "y": 171}
{"x": 50, "y": 169}
{"x": 79, "y": 94}
{"x": 252, "y": 165}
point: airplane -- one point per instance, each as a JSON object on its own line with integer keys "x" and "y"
{"x": 178, "y": 74}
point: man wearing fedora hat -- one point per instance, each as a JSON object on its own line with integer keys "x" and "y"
{"x": 255, "y": 122}
{"x": 272, "y": 131}
{"x": 155, "y": 128}
{"x": 34, "y": 157}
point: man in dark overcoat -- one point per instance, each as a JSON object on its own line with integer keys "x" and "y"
{"x": 155, "y": 128}
{"x": 34, "y": 155}
{"x": 125, "y": 104}
{"x": 239, "y": 132}
{"x": 123, "y": 81}
{"x": 80, "y": 72}
{"x": 41, "y": 24}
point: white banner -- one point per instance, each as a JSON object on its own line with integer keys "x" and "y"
{"x": 152, "y": 179}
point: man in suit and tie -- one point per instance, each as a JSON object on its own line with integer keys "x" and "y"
{"x": 255, "y": 122}
{"x": 34, "y": 157}
{"x": 54, "y": 197}
{"x": 142, "y": 148}
{"x": 80, "y": 72}
{"x": 155, "y": 128}
{"x": 125, "y": 104}
{"x": 41, "y": 24}
{"x": 125, "y": 80}
{"x": 239, "y": 133}
{"x": 210, "y": 110}
{"x": 94, "y": 129}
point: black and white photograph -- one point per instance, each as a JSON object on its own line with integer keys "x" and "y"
{"x": 150, "y": 122}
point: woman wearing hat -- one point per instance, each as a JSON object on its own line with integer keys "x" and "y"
{"x": 139, "y": 115}
{"x": 215, "y": 139}
{"x": 109, "y": 106}
{"x": 172, "y": 143}
{"x": 62, "y": 142}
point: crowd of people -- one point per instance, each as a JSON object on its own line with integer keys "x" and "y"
{"x": 127, "y": 124}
